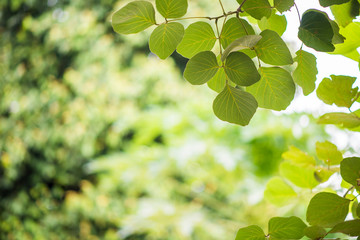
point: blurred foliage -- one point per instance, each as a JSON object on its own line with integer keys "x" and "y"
{"x": 101, "y": 140}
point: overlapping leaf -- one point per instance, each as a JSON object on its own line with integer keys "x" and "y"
{"x": 198, "y": 37}
{"x": 315, "y": 31}
{"x": 248, "y": 41}
{"x": 134, "y": 17}
{"x": 300, "y": 176}
{"x": 327, "y": 3}
{"x": 299, "y": 157}
{"x": 241, "y": 70}
{"x": 315, "y": 232}
{"x": 201, "y": 68}
{"x": 272, "y": 49}
{"x": 283, "y": 5}
{"x": 165, "y": 38}
{"x": 327, "y": 209}
{"x": 306, "y": 71}
{"x": 345, "y": 13}
{"x": 172, "y": 8}
{"x": 351, "y": 228}
{"x": 235, "y": 106}
{"x": 275, "y": 90}
{"x": 328, "y": 152}
{"x": 257, "y": 8}
{"x": 217, "y": 83}
{"x": 233, "y": 29}
{"x": 345, "y": 120}
{"x": 275, "y": 23}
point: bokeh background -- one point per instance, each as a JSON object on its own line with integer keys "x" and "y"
{"x": 102, "y": 140}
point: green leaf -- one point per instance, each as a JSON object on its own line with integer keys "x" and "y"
{"x": 198, "y": 37}
{"x": 328, "y": 152}
{"x": 327, "y": 209}
{"x": 235, "y": 106}
{"x": 165, "y": 38}
{"x": 345, "y": 120}
{"x": 133, "y": 18}
{"x": 286, "y": 228}
{"x": 358, "y": 210}
{"x": 275, "y": 90}
{"x": 252, "y": 232}
{"x": 278, "y": 192}
{"x": 298, "y": 157}
{"x": 315, "y": 31}
{"x": 201, "y": 68}
{"x": 355, "y": 209}
{"x": 306, "y": 71}
{"x": 241, "y": 70}
{"x": 351, "y": 228}
{"x": 272, "y": 49}
{"x": 233, "y": 29}
{"x": 350, "y": 171}
{"x": 337, "y": 90}
{"x": 300, "y": 176}
{"x": 315, "y": 232}
{"x": 283, "y": 5}
{"x": 345, "y": 13}
{"x": 327, "y": 3}
{"x": 257, "y": 8}
{"x": 172, "y": 8}
{"x": 217, "y": 83}
{"x": 275, "y": 23}
{"x": 338, "y": 38}
{"x": 323, "y": 174}
{"x": 248, "y": 41}
{"x": 352, "y": 42}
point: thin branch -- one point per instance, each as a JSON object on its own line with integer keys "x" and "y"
{"x": 219, "y": 36}
{"x": 241, "y": 5}
{"x": 222, "y": 7}
{"x": 298, "y": 13}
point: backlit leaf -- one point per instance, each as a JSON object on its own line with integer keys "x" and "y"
{"x": 346, "y": 120}
{"x": 217, "y": 83}
{"x": 298, "y": 157}
{"x": 248, "y": 41}
{"x": 315, "y": 31}
{"x": 201, "y": 68}
{"x": 165, "y": 38}
{"x": 328, "y": 152}
{"x": 133, "y": 18}
{"x": 172, "y": 8}
{"x": 198, "y": 37}
{"x": 257, "y": 8}
{"x": 283, "y": 5}
{"x": 272, "y": 49}
{"x": 300, "y": 176}
{"x": 235, "y": 106}
{"x": 337, "y": 90}
{"x": 352, "y": 34}
{"x": 286, "y": 228}
{"x": 275, "y": 90}
{"x": 306, "y": 71}
{"x": 241, "y": 70}
{"x": 345, "y": 13}
{"x": 278, "y": 192}
{"x": 252, "y": 232}
{"x": 350, "y": 171}
{"x": 327, "y": 209}
{"x": 275, "y": 23}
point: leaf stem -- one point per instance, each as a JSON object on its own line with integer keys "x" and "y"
{"x": 241, "y": 5}
{"x": 219, "y": 36}
{"x": 351, "y": 188}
